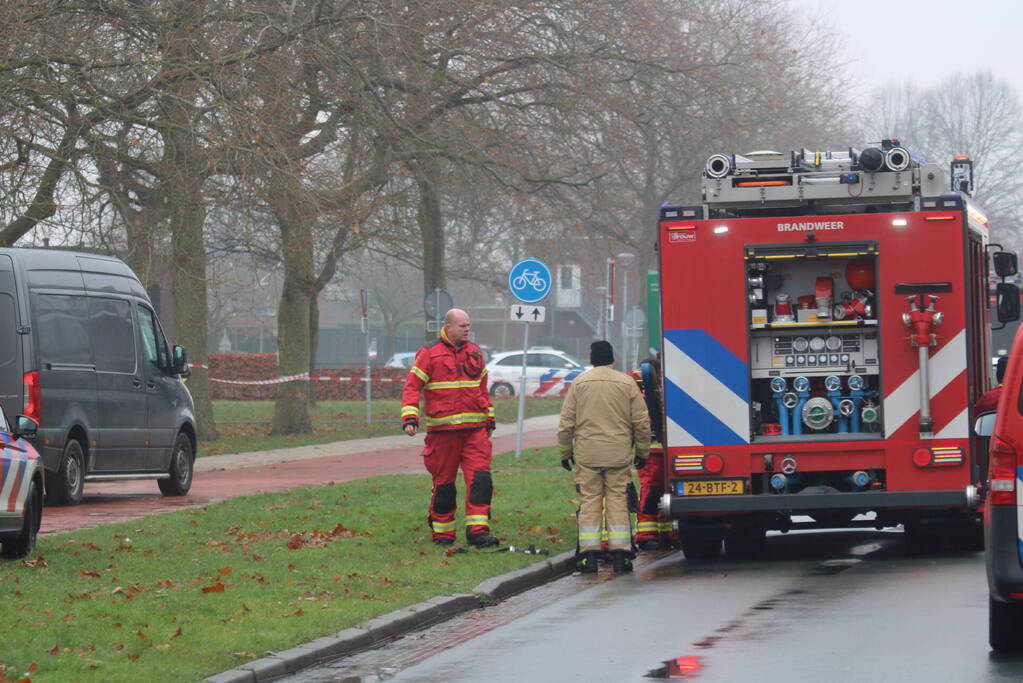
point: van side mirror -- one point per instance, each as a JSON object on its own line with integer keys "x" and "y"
{"x": 1007, "y": 302}
{"x": 26, "y": 426}
{"x": 179, "y": 365}
{"x": 1005, "y": 264}
{"x": 985, "y": 425}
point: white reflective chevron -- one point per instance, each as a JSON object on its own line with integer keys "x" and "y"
{"x": 945, "y": 366}
{"x": 957, "y": 428}
{"x": 707, "y": 390}
{"x": 677, "y": 436}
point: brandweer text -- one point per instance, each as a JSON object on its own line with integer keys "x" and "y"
{"x": 816, "y": 225}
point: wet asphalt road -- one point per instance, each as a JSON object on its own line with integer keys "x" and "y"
{"x": 823, "y": 606}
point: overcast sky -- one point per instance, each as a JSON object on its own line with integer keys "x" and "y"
{"x": 926, "y": 40}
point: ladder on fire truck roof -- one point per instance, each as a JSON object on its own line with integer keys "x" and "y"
{"x": 805, "y": 181}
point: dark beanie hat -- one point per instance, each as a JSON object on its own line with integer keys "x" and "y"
{"x": 601, "y": 353}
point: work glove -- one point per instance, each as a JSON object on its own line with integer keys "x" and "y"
{"x": 491, "y": 426}
{"x": 639, "y": 462}
{"x": 568, "y": 462}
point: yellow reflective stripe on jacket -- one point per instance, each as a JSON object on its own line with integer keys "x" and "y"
{"x": 593, "y": 535}
{"x": 617, "y": 533}
{"x": 664, "y": 527}
{"x": 456, "y": 419}
{"x": 419, "y": 373}
{"x": 656, "y": 446}
{"x": 490, "y": 412}
{"x": 410, "y": 410}
{"x": 441, "y": 527}
{"x": 647, "y": 526}
{"x": 477, "y": 520}
{"x": 454, "y": 384}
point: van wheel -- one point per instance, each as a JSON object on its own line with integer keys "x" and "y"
{"x": 25, "y": 542}
{"x": 181, "y": 468}
{"x": 1005, "y": 626}
{"x": 67, "y": 485}
{"x": 502, "y": 389}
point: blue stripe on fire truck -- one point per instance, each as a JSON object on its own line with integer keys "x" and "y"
{"x": 706, "y": 391}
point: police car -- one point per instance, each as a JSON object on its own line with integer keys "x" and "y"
{"x": 549, "y": 372}
{"x": 21, "y": 488}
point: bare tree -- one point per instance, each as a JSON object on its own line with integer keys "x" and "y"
{"x": 974, "y": 114}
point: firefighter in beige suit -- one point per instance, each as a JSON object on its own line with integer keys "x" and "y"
{"x": 602, "y": 419}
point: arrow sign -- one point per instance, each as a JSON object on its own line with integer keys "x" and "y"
{"x": 528, "y": 314}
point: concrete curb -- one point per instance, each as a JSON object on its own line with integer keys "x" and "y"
{"x": 389, "y": 626}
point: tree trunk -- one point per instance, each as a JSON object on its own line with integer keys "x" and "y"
{"x": 185, "y": 166}
{"x": 431, "y": 227}
{"x": 291, "y": 412}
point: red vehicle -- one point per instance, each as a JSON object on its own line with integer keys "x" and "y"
{"x": 826, "y": 332}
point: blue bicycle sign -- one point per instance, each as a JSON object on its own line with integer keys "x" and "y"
{"x": 529, "y": 280}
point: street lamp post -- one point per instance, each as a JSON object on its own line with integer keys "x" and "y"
{"x": 602, "y": 313}
{"x": 624, "y": 259}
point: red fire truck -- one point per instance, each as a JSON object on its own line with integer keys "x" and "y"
{"x": 826, "y": 332}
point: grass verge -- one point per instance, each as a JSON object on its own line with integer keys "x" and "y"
{"x": 245, "y": 425}
{"x": 186, "y": 594}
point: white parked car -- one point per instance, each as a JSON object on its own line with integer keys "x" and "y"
{"x": 549, "y": 372}
{"x": 401, "y": 360}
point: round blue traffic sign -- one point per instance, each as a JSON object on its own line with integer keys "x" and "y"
{"x": 529, "y": 280}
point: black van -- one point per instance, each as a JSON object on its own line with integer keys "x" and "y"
{"x": 85, "y": 357}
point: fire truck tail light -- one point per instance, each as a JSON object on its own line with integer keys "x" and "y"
{"x": 1001, "y": 472}
{"x": 713, "y": 463}
{"x": 679, "y": 226}
{"x": 939, "y": 217}
{"x": 698, "y": 463}
{"x": 938, "y": 456}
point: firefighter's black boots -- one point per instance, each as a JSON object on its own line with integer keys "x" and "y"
{"x": 622, "y": 561}
{"x": 483, "y": 540}
{"x": 587, "y": 562}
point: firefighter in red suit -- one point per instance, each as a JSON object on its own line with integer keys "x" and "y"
{"x": 459, "y": 420}
{"x": 988, "y": 403}
{"x": 653, "y": 530}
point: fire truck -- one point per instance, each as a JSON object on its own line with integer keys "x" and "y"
{"x": 826, "y": 331}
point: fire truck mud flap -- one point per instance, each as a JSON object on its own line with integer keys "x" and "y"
{"x": 675, "y": 506}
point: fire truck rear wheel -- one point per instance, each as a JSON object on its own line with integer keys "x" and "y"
{"x": 1005, "y": 626}
{"x": 745, "y": 540}
{"x": 700, "y": 547}
{"x": 502, "y": 389}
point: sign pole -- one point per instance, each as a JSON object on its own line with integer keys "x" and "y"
{"x": 529, "y": 281}
{"x": 522, "y": 393}
{"x": 365, "y": 329}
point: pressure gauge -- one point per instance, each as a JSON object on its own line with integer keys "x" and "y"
{"x": 833, "y": 343}
{"x": 855, "y": 382}
{"x": 817, "y": 344}
{"x": 832, "y": 383}
{"x": 800, "y": 344}
{"x": 777, "y": 384}
{"x": 801, "y": 384}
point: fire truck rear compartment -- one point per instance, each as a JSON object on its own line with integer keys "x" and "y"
{"x": 813, "y": 341}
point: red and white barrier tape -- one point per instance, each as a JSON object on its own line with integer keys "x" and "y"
{"x": 300, "y": 377}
